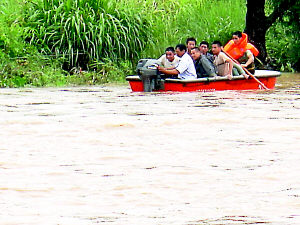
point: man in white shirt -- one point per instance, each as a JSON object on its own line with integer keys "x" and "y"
{"x": 169, "y": 60}
{"x": 185, "y": 68}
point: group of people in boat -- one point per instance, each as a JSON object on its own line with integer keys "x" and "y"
{"x": 187, "y": 61}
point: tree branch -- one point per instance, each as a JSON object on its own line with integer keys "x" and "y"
{"x": 279, "y": 11}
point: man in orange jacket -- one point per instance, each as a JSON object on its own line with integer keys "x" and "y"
{"x": 239, "y": 49}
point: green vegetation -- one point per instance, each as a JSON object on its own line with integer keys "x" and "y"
{"x": 83, "y": 30}
{"x": 79, "y": 42}
{"x": 206, "y": 20}
{"x": 283, "y": 45}
{"x": 283, "y": 40}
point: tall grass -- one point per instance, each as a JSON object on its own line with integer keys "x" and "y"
{"x": 87, "y": 29}
{"x": 96, "y": 29}
{"x": 208, "y": 20}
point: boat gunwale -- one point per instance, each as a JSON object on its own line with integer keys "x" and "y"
{"x": 266, "y": 74}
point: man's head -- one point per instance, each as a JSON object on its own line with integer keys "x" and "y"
{"x": 216, "y": 47}
{"x": 195, "y": 53}
{"x": 170, "y": 53}
{"x": 204, "y": 47}
{"x": 236, "y": 37}
{"x": 180, "y": 49}
{"x": 190, "y": 43}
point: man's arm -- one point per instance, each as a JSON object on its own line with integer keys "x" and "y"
{"x": 168, "y": 71}
{"x": 250, "y": 59}
{"x": 229, "y": 75}
{"x": 229, "y": 61}
{"x": 170, "y": 68}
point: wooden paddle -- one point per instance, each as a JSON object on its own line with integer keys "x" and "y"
{"x": 247, "y": 71}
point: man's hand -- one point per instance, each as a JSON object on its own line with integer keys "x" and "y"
{"x": 161, "y": 69}
{"x": 229, "y": 76}
{"x": 246, "y": 76}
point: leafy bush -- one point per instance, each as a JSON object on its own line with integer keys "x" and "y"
{"x": 11, "y": 30}
{"x": 284, "y": 53}
{"x": 33, "y": 70}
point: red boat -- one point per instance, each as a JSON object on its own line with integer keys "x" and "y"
{"x": 267, "y": 77}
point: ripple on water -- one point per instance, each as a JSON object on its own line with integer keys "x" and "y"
{"x": 208, "y": 104}
{"x": 85, "y": 90}
{"x": 104, "y": 219}
{"x": 118, "y": 125}
{"x": 38, "y": 103}
{"x": 11, "y": 106}
{"x": 139, "y": 114}
{"x": 230, "y": 220}
{"x": 46, "y": 114}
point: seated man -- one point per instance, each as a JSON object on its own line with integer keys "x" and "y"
{"x": 224, "y": 64}
{"x": 239, "y": 49}
{"x": 169, "y": 60}
{"x": 203, "y": 62}
{"x": 185, "y": 68}
{"x": 190, "y": 43}
{"x": 204, "y": 47}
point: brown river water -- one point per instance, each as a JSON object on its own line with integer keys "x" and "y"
{"x": 105, "y": 155}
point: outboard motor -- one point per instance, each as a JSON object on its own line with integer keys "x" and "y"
{"x": 149, "y": 74}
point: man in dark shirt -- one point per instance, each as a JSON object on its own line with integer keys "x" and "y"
{"x": 204, "y": 47}
{"x": 203, "y": 61}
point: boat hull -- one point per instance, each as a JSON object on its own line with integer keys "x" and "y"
{"x": 267, "y": 77}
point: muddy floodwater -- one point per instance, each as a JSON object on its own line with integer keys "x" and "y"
{"x": 105, "y": 155}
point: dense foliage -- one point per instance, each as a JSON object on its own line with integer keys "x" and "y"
{"x": 63, "y": 42}
{"x": 283, "y": 37}
{"x": 273, "y": 26}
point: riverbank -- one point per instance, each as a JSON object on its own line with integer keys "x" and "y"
{"x": 59, "y": 43}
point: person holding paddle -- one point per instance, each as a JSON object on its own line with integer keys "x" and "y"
{"x": 236, "y": 49}
{"x": 242, "y": 51}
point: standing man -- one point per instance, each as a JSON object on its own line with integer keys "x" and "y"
{"x": 169, "y": 60}
{"x": 190, "y": 43}
{"x": 185, "y": 68}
